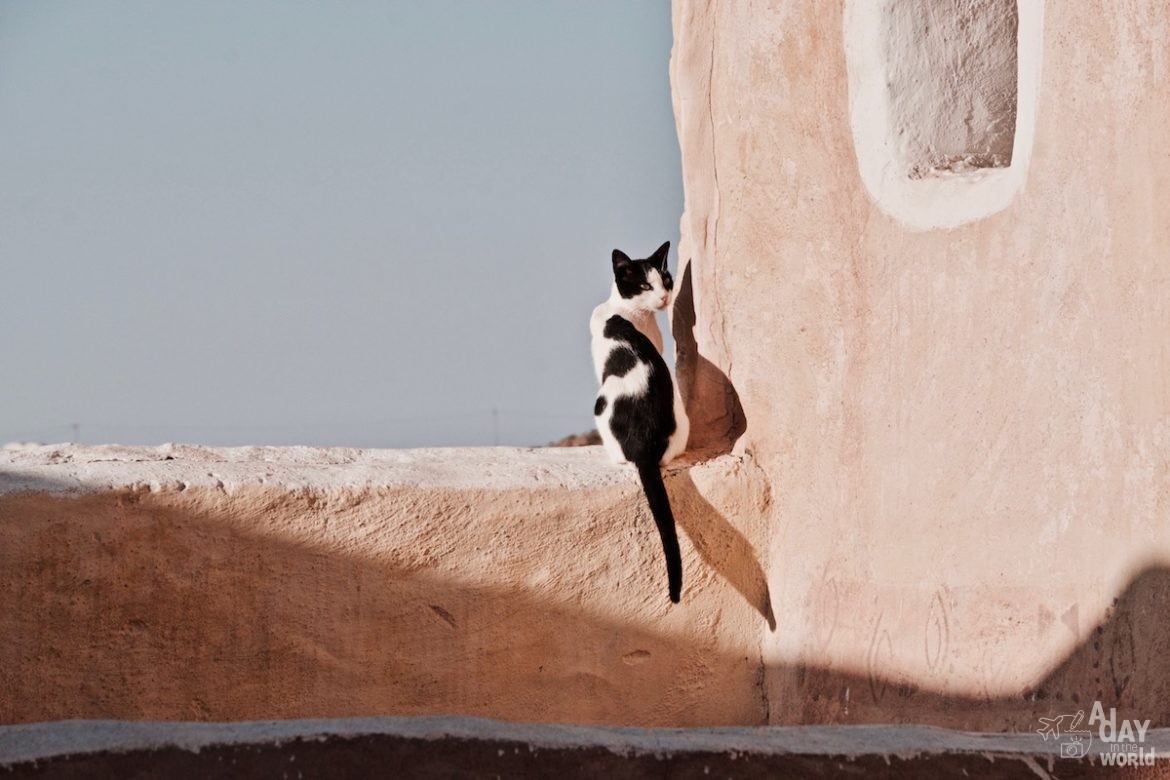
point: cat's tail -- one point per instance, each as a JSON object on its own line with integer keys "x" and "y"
{"x": 656, "y": 496}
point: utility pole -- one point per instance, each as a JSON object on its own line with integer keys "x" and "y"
{"x": 76, "y": 433}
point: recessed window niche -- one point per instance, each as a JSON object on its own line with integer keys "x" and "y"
{"x": 951, "y": 78}
{"x": 942, "y": 96}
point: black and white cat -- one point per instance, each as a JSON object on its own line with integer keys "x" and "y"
{"x": 639, "y": 411}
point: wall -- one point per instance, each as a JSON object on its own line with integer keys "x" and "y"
{"x": 966, "y": 431}
{"x": 188, "y": 583}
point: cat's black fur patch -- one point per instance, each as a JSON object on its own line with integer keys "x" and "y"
{"x": 642, "y": 425}
{"x": 630, "y": 275}
{"x": 599, "y": 406}
{"x": 619, "y": 363}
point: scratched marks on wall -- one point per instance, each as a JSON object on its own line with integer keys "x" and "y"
{"x": 1120, "y": 651}
{"x": 879, "y": 660}
{"x": 825, "y": 604}
{"x": 905, "y": 647}
{"x": 937, "y": 639}
{"x": 889, "y": 664}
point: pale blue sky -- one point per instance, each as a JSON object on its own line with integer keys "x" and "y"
{"x": 360, "y": 223}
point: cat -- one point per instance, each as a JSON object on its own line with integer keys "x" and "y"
{"x": 639, "y": 411}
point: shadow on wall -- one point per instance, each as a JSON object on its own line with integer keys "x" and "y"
{"x": 198, "y": 605}
{"x": 1123, "y": 662}
{"x": 717, "y": 417}
{"x": 720, "y": 545}
{"x": 171, "y": 613}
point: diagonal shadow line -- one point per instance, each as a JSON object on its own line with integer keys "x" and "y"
{"x": 717, "y": 422}
{"x": 720, "y": 544}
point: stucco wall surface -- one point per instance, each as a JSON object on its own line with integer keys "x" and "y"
{"x": 966, "y": 431}
{"x": 254, "y": 583}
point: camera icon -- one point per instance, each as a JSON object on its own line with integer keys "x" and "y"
{"x": 1074, "y": 746}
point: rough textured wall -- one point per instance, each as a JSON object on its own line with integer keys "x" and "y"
{"x": 966, "y": 431}
{"x": 951, "y": 82}
{"x": 185, "y": 583}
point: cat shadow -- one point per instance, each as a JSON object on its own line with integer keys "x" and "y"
{"x": 717, "y": 422}
{"x": 720, "y": 544}
{"x": 712, "y": 403}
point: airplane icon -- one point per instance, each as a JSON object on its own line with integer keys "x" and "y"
{"x": 1051, "y": 726}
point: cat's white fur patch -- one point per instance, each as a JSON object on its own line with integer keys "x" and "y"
{"x": 640, "y": 311}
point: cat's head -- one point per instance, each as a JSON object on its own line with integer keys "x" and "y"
{"x": 643, "y": 285}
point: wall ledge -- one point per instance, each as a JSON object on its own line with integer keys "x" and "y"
{"x": 194, "y": 583}
{"x": 66, "y": 468}
{"x": 440, "y": 746}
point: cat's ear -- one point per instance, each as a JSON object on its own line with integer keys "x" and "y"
{"x": 658, "y": 259}
{"x": 621, "y": 261}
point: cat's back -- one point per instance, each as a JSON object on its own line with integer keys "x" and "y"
{"x": 601, "y": 313}
{"x": 622, "y": 333}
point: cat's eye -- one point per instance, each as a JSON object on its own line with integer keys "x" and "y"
{"x": 645, "y": 287}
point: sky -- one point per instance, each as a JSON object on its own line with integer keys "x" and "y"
{"x": 362, "y": 224}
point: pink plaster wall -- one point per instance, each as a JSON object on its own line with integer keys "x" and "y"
{"x": 966, "y": 431}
